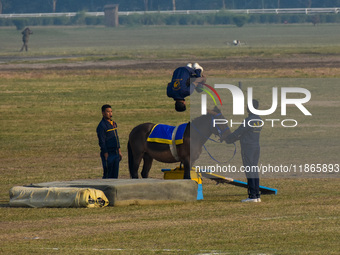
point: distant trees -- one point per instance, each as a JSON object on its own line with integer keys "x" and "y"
{"x": 29, "y": 6}
{"x": 161, "y": 19}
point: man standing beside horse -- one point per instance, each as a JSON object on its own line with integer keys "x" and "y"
{"x": 109, "y": 144}
{"x": 249, "y": 135}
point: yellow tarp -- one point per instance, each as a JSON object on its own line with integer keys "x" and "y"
{"x": 56, "y": 197}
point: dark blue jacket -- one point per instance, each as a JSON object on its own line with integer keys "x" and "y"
{"x": 249, "y": 135}
{"x": 108, "y": 136}
{"x": 180, "y": 87}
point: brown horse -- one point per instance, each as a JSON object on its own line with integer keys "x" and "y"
{"x": 201, "y": 129}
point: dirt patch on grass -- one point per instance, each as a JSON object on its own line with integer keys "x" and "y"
{"x": 293, "y": 67}
{"x": 224, "y": 65}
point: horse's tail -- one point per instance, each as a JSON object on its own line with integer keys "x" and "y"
{"x": 131, "y": 161}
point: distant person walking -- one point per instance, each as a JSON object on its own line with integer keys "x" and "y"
{"x": 25, "y": 37}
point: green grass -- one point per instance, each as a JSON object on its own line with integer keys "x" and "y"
{"x": 47, "y": 133}
{"x": 173, "y": 41}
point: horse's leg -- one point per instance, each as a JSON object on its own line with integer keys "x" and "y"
{"x": 134, "y": 168}
{"x": 134, "y": 162}
{"x": 187, "y": 168}
{"x": 147, "y": 165}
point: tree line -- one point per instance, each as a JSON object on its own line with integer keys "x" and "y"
{"x": 47, "y": 6}
{"x": 221, "y": 18}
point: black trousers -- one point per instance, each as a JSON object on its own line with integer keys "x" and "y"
{"x": 110, "y": 166}
{"x": 250, "y": 158}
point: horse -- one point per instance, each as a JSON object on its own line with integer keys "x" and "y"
{"x": 201, "y": 129}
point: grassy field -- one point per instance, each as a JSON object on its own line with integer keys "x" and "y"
{"x": 49, "y": 116}
{"x": 201, "y": 42}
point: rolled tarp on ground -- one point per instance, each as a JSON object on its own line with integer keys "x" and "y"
{"x": 122, "y": 192}
{"x": 21, "y": 196}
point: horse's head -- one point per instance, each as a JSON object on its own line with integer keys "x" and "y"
{"x": 219, "y": 128}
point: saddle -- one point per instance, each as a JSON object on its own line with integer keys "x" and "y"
{"x": 172, "y": 135}
{"x": 162, "y": 133}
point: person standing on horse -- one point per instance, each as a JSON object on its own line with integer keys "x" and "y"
{"x": 249, "y": 135}
{"x": 109, "y": 144}
{"x": 25, "y": 36}
{"x": 183, "y": 83}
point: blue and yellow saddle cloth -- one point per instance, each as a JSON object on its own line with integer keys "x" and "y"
{"x": 162, "y": 133}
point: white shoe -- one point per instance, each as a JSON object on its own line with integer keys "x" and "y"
{"x": 252, "y": 200}
{"x": 197, "y": 66}
{"x": 189, "y": 65}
